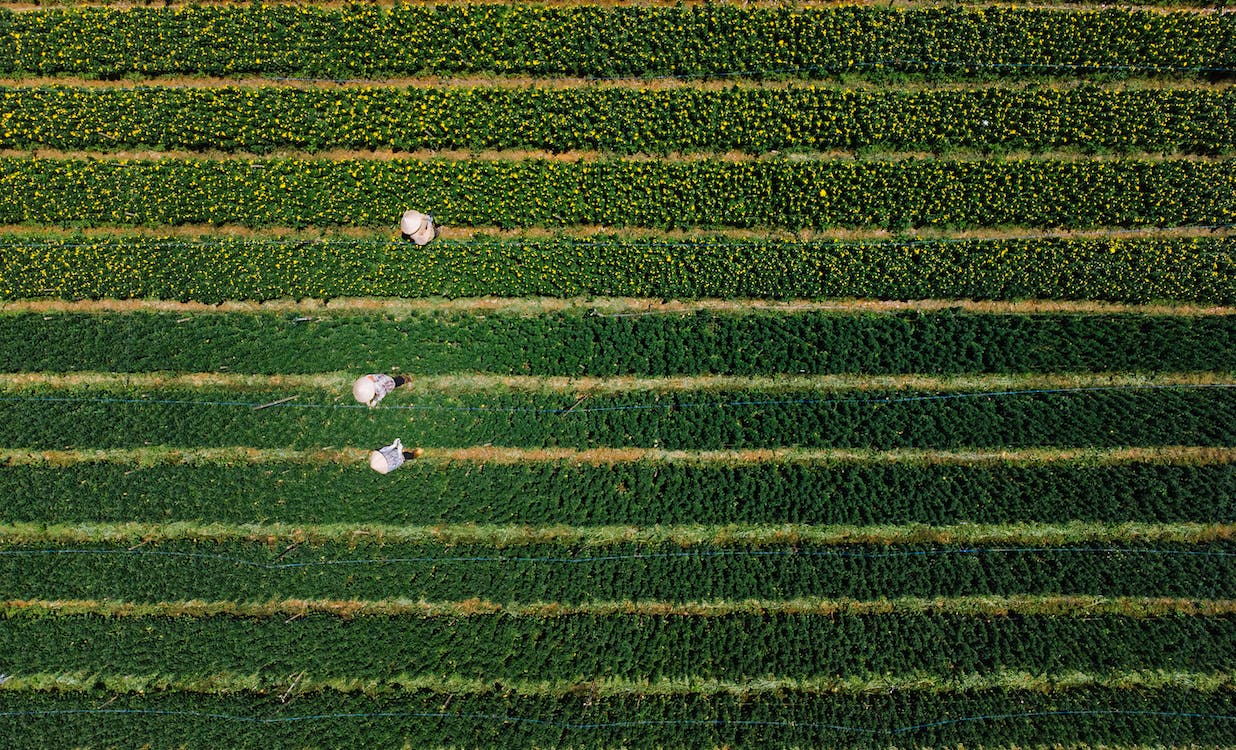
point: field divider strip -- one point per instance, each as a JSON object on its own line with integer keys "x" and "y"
{"x": 976, "y": 606}
{"x": 146, "y": 457}
{"x": 682, "y": 537}
{"x": 524, "y": 81}
{"x": 1198, "y": 6}
{"x": 186, "y": 235}
{"x": 573, "y": 156}
{"x": 19, "y": 383}
{"x": 227, "y": 683}
{"x": 601, "y": 305}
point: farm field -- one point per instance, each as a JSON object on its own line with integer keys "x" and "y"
{"x": 787, "y": 376}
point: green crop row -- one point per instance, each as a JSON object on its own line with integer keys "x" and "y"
{"x": 500, "y": 718}
{"x": 636, "y": 646}
{"x": 640, "y": 493}
{"x": 582, "y": 343}
{"x": 754, "y": 120}
{"x": 1190, "y": 269}
{"x": 259, "y": 572}
{"x": 697, "y": 40}
{"x": 779, "y": 193}
{"x": 1089, "y": 417}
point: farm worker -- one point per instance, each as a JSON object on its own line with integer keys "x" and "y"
{"x": 418, "y": 227}
{"x": 386, "y": 460}
{"x": 370, "y": 389}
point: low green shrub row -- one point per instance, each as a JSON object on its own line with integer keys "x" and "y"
{"x": 499, "y": 718}
{"x": 612, "y": 192}
{"x": 640, "y": 493}
{"x": 259, "y": 572}
{"x": 696, "y": 40}
{"x": 679, "y": 420}
{"x": 636, "y": 646}
{"x": 583, "y": 343}
{"x": 620, "y": 120}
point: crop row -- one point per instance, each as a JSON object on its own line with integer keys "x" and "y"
{"x": 754, "y": 120}
{"x": 1090, "y": 417}
{"x": 582, "y": 343}
{"x": 780, "y": 193}
{"x": 255, "y": 572}
{"x": 589, "y": 646}
{"x": 1192, "y": 269}
{"x": 372, "y": 41}
{"x": 641, "y": 493}
{"x": 1090, "y": 716}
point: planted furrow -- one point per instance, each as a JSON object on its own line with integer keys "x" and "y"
{"x": 754, "y": 120}
{"x": 1111, "y": 717}
{"x": 735, "y": 645}
{"x": 1128, "y": 269}
{"x": 150, "y": 569}
{"x": 566, "y": 491}
{"x": 584, "y": 343}
{"x": 1100, "y": 416}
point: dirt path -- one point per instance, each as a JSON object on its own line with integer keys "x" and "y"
{"x": 580, "y": 387}
{"x": 161, "y": 456}
{"x": 616, "y": 306}
{"x": 570, "y": 157}
{"x": 570, "y": 82}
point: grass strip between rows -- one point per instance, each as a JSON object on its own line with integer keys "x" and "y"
{"x": 729, "y": 536}
{"x": 147, "y": 457}
{"x": 1010, "y": 607}
{"x": 67, "y": 684}
{"x": 397, "y": 308}
{"x": 323, "y": 385}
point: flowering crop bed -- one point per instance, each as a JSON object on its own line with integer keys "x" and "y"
{"x": 699, "y": 40}
{"x": 613, "y": 192}
{"x": 783, "y": 519}
{"x": 618, "y": 120}
{"x": 1124, "y": 269}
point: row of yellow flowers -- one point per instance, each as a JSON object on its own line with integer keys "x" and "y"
{"x": 1186, "y": 269}
{"x": 371, "y": 40}
{"x": 622, "y": 120}
{"x": 622, "y": 192}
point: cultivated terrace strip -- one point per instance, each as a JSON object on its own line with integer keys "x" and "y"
{"x": 363, "y": 41}
{"x": 1194, "y": 265}
{"x": 457, "y": 123}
